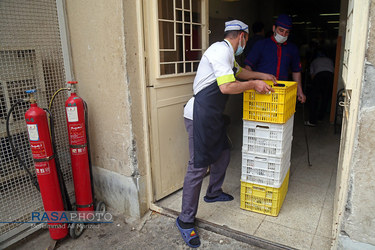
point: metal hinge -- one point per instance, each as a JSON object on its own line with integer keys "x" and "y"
{"x": 346, "y": 103}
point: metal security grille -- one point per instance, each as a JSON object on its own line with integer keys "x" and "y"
{"x": 180, "y": 36}
{"x": 30, "y": 57}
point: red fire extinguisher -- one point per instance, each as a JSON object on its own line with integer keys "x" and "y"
{"x": 45, "y": 165}
{"x": 79, "y": 150}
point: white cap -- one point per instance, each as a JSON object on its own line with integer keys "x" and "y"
{"x": 236, "y": 25}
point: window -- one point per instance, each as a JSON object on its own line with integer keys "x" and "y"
{"x": 180, "y": 36}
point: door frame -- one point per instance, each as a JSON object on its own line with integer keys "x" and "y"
{"x": 353, "y": 63}
{"x": 353, "y": 109}
{"x": 143, "y": 81}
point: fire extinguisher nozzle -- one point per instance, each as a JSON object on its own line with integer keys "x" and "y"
{"x": 31, "y": 92}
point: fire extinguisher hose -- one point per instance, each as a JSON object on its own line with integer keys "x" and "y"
{"x": 54, "y": 95}
{"x": 88, "y": 149}
{"x": 15, "y": 152}
{"x": 64, "y": 191}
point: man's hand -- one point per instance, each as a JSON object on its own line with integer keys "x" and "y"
{"x": 268, "y": 77}
{"x": 262, "y": 87}
{"x": 301, "y": 96}
{"x": 297, "y": 78}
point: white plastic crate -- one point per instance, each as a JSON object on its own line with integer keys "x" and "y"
{"x": 275, "y": 183}
{"x": 267, "y": 171}
{"x": 266, "y": 147}
{"x": 267, "y": 139}
{"x": 268, "y": 130}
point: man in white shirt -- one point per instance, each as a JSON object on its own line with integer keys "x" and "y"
{"x": 321, "y": 71}
{"x": 208, "y": 143}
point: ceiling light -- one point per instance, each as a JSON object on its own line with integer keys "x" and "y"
{"x": 329, "y": 14}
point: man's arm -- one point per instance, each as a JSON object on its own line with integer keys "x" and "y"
{"x": 238, "y": 87}
{"x": 297, "y": 78}
{"x": 247, "y": 74}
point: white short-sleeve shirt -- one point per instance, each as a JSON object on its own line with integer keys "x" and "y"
{"x": 216, "y": 65}
{"x": 321, "y": 64}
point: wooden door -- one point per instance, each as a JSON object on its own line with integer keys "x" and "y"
{"x": 175, "y": 38}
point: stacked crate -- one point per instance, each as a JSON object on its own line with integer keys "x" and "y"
{"x": 267, "y": 142}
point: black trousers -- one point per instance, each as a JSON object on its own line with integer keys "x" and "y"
{"x": 320, "y": 95}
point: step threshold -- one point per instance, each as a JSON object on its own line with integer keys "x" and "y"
{"x": 224, "y": 230}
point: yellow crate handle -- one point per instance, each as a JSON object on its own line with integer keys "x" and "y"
{"x": 259, "y": 188}
{"x": 281, "y": 84}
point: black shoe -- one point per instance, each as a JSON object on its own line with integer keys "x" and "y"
{"x": 223, "y": 197}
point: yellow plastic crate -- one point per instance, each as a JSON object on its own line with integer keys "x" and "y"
{"x": 263, "y": 199}
{"x": 276, "y": 107}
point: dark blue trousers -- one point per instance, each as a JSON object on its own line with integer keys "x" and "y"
{"x": 194, "y": 178}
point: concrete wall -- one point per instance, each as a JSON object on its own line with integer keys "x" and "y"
{"x": 358, "y": 222}
{"x": 134, "y": 43}
{"x": 244, "y": 10}
{"x": 220, "y": 12}
{"x": 104, "y": 45}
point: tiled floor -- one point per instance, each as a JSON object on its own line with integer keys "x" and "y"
{"x": 305, "y": 219}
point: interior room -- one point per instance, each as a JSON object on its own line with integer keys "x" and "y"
{"x": 305, "y": 218}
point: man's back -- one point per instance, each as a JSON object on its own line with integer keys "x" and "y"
{"x": 321, "y": 64}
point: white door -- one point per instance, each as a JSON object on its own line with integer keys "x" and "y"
{"x": 352, "y": 72}
{"x": 175, "y": 39}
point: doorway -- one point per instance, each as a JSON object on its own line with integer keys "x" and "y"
{"x": 305, "y": 219}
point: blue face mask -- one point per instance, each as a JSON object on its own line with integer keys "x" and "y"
{"x": 239, "y": 49}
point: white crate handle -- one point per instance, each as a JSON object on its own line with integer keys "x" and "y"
{"x": 265, "y": 127}
{"x": 260, "y": 158}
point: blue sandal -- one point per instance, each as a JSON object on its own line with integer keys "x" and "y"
{"x": 188, "y": 235}
{"x": 222, "y": 197}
